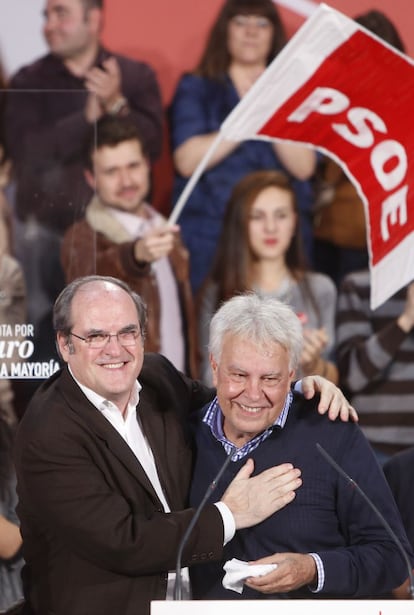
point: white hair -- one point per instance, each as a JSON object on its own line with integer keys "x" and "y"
{"x": 262, "y": 320}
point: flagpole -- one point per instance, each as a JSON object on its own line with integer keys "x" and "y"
{"x": 179, "y": 206}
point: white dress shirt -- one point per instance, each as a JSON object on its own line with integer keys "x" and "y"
{"x": 129, "y": 428}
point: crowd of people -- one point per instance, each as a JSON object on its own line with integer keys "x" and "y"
{"x": 248, "y": 309}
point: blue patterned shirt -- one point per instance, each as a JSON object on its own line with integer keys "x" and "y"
{"x": 214, "y": 419}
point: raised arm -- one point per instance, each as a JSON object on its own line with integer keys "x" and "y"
{"x": 364, "y": 351}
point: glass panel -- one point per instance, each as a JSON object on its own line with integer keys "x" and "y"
{"x": 45, "y": 135}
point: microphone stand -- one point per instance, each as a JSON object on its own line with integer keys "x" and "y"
{"x": 190, "y": 527}
{"x": 380, "y": 516}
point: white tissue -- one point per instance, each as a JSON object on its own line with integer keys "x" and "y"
{"x": 238, "y": 571}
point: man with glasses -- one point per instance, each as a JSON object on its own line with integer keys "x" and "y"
{"x": 103, "y": 461}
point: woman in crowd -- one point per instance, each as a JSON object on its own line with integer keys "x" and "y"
{"x": 12, "y": 312}
{"x": 260, "y": 250}
{"x": 245, "y": 38}
{"x": 12, "y": 284}
{"x": 11, "y": 562}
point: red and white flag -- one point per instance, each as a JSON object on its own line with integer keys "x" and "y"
{"x": 340, "y": 88}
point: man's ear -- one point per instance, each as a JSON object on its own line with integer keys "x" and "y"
{"x": 214, "y": 366}
{"x": 90, "y": 178}
{"x": 63, "y": 344}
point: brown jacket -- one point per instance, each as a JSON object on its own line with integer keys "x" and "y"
{"x": 99, "y": 244}
{"x": 96, "y": 539}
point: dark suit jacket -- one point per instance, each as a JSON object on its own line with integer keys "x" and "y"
{"x": 399, "y": 472}
{"x": 96, "y": 540}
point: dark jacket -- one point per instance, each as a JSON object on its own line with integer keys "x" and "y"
{"x": 96, "y": 540}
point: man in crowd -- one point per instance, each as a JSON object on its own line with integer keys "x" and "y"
{"x": 123, "y": 236}
{"x": 52, "y": 104}
{"x": 327, "y": 542}
{"x": 103, "y": 463}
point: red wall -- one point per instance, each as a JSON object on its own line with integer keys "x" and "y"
{"x": 170, "y": 34}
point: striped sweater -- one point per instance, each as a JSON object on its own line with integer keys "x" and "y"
{"x": 376, "y": 362}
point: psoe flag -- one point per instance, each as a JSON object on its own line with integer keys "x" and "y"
{"x": 340, "y": 88}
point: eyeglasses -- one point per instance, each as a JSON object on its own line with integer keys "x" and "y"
{"x": 100, "y": 340}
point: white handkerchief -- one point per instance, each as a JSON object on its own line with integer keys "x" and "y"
{"x": 237, "y": 571}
